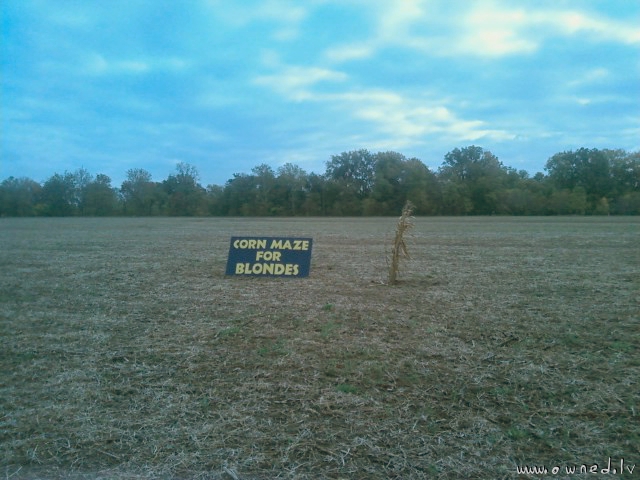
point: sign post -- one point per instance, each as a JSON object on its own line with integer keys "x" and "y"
{"x": 269, "y": 256}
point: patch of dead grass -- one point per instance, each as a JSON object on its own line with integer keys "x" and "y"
{"x": 127, "y": 353}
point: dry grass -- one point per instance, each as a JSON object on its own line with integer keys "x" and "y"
{"x": 126, "y": 353}
{"x": 399, "y": 249}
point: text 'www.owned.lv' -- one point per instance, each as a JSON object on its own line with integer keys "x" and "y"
{"x": 609, "y": 468}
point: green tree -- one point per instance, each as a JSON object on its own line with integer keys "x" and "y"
{"x": 568, "y": 202}
{"x": 342, "y": 199}
{"x": 455, "y": 198}
{"x": 625, "y": 171}
{"x": 585, "y": 168}
{"x": 264, "y": 183}
{"x": 389, "y": 191}
{"x": 291, "y": 182}
{"x": 184, "y": 195}
{"x": 354, "y": 170}
{"x": 625, "y": 175}
{"x": 59, "y": 196}
{"x": 422, "y": 187}
{"x": 473, "y": 181}
{"x": 314, "y": 203}
{"x": 239, "y": 197}
{"x": 458, "y": 163}
{"x": 140, "y": 195}
{"x": 18, "y": 197}
{"x": 99, "y": 197}
{"x": 398, "y": 179}
{"x": 627, "y": 204}
{"x": 215, "y": 200}
{"x": 81, "y": 180}
{"x": 350, "y": 178}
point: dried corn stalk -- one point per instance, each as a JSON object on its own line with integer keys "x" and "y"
{"x": 399, "y": 249}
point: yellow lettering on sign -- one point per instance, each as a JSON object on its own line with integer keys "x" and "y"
{"x": 301, "y": 244}
{"x": 289, "y": 269}
{"x": 287, "y": 245}
{"x": 278, "y": 244}
{"x": 268, "y": 255}
{"x": 249, "y": 243}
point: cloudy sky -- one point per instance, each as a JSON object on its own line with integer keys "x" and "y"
{"x": 226, "y": 85}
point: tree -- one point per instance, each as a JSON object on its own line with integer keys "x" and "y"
{"x": 215, "y": 200}
{"x": 398, "y": 180}
{"x": 525, "y": 195}
{"x": 350, "y": 178}
{"x": 81, "y": 180}
{"x": 423, "y": 189}
{"x": 184, "y": 195}
{"x": 470, "y": 181}
{"x": 264, "y": 183}
{"x": 628, "y": 204}
{"x": 18, "y": 197}
{"x": 473, "y": 181}
{"x": 341, "y": 199}
{"x": 354, "y": 170}
{"x": 457, "y": 163}
{"x": 314, "y": 203}
{"x": 239, "y": 195}
{"x": 585, "y": 168}
{"x": 100, "y": 198}
{"x": 389, "y": 191}
{"x": 59, "y": 195}
{"x": 624, "y": 169}
{"x": 139, "y": 193}
{"x": 455, "y": 198}
{"x": 292, "y": 182}
{"x": 568, "y": 202}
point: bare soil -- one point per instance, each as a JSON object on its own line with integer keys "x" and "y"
{"x": 508, "y": 342}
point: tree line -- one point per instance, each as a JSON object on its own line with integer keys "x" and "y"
{"x": 470, "y": 181}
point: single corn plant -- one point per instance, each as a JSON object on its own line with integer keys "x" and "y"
{"x": 399, "y": 249}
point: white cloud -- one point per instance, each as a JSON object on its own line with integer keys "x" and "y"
{"x": 97, "y": 64}
{"x": 495, "y": 43}
{"x": 596, "y": 75}
{"x": 397, "y": 17}
{"x": 488, "y": 29}
{"x": 572, "y": 22}
{"x": 285, "y": 16}
{"x": 393, "y": 24}
{"x": 280, "y": 10}
{"x": 401, "y": 119}
{"x": 410, "y": 119}
{"x": 345, "y": 53}
{"x": 495, "y": 29}
{"x": 294, "y": 82}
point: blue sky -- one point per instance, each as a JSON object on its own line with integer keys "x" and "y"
{"x": 227, "y": 85}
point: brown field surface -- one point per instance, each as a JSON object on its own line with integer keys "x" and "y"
{"x": 127, "y": 353}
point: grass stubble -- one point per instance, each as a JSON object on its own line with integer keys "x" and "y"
{"x": 126, "y": 352}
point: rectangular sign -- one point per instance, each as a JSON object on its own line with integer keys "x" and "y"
{"x": 269, "y": 256}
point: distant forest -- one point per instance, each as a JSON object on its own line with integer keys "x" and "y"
{"x": 470, "y": 181}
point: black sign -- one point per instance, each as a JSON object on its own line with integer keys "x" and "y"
{"x": 269, "y": 256}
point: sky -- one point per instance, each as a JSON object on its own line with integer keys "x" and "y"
{"x": 227, "y": 85}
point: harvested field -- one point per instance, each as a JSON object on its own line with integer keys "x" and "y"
{"x": 508, "y": 342}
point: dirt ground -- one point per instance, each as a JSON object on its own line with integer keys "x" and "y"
{"x": 508, "y": 343}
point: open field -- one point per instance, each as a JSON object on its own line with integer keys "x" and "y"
{"x": 126, "y": 352}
